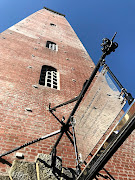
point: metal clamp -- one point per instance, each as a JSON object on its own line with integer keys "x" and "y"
{"x": 73, "y": 121}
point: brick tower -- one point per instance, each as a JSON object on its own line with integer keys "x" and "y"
{"x": 42, "y": 61}
{"x": 42, "y": 42}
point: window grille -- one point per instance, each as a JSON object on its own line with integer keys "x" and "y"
{"x": 52, "y": 45}
{"x": 49, "y": 77}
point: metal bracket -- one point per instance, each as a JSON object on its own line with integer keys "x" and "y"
{"x": 73, "y": 121}
{"x": 109, "y": 46}
{"x": 105, "y": 69}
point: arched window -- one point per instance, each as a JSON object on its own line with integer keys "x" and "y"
{"x": 49, "y": 77}
{"x": 52, "y": 46}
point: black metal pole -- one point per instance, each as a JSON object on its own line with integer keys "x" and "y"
{"x": 65, "y": 103}
{"x": 71, "y": 140}
{"x": 114, "y": 77}
{"x": 31, "y": 142}
{"x": 80, "y": 97}
{"x": 128, "y": 96}
{"x": 61, "y": 122}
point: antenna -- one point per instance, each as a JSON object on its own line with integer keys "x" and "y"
{"x": 114, "y": 36}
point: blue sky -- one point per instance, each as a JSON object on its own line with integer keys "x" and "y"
{"x": 92, "y": 20}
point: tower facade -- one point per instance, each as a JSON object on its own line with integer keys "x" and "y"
{"x": 42, "y": 61}
{"x": 43, "y": 42}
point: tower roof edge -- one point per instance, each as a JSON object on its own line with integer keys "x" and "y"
{"x": 54, "y": 11}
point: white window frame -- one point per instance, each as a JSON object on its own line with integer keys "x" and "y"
{"x": 53, "y": 46}
{"x": 52, "y": 79}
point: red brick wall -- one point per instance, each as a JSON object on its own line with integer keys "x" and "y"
{"x": 17, "y": 49}
{"x": 122, "y": 165}
{"x": 17, "y": 126}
